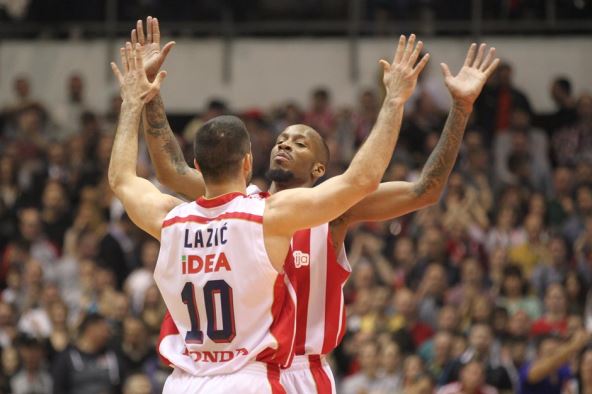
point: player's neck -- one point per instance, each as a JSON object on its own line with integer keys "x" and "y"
{"x": 215, "y": 190}
{"x": 279, "y": 186}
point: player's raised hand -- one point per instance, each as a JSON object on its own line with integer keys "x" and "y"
{"x": 150, "y": 50}
{"x": 466, "y": 86}
{"x": 135, "y": 86}
{"x": 400, "y": 76}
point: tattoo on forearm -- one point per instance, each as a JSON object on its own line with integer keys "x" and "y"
{"x": 156, "y": 118}
{"x": 442, "y": 159}
{"x": 157, "y": 126}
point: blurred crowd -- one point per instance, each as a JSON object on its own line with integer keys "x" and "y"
{"x": 484, "y": 292}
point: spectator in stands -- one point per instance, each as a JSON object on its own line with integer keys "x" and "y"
{"x": 406, "y": 324}
{"x": 582, "y": 381}
{"x": 60, "y": 332}
{"x": 554, "y": 320}
{"x": 522, "y": 140}
{"x": 391, "y": 361}
{"x": 532, "y": 250}
{"x": 480, "y": 346}
{"x": 33, "y": 376}
{"x": 565, "y": 103}
{"x": 367, "y": 379}
{"x": 549, "y": 372}
{"x": 498, "y": 100}
{"x": 561, "y": 204}
{"x": 88, "y": 366}
{"x": 441, "y": 359}
{"x": 69, "y": 112}
{"x": 471, "y": 381}
{"x": 431, "y": 294}
{"x": 574, "y": 142}
{"x": 321, "y": 116}
{"x": 141, "y": 278}
{"x": 514, "y": 294}
{"x": 136, "y": 349}
{"x": 471, "y": 283}
{"x": 552, "y": 270}
{"x": 137, "y": 384}
{"x": 575, "y": 224}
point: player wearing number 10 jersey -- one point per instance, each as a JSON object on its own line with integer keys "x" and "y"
{"x": 220, "y": 267}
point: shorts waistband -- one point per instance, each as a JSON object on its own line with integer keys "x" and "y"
{"x": 251, "y": 368}
{"x": 308, "y": 361}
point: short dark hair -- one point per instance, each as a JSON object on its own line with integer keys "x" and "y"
{"x": 219, "y": 146}
{"x": 90, "y": 319}
{"x": 564, "y": 84}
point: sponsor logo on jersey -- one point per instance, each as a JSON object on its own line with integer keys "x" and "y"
{"x": 300, "y": 259}
{"x": 215, "y": 356}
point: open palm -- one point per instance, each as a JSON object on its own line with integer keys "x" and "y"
{"x": 466, "y": 86}
{"x": 152, "y": 55}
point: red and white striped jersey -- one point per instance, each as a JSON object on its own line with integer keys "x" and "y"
{"x": 318, "y": 276}
{"x": 228, "y": 304}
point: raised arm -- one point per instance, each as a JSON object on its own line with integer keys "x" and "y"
{"x": 166, "y": 154}
{"x": 545, "y": 365}
{"x": 144, "y": 203}
{"x": 290, "y": 210}
{"x": 394, "y": 199}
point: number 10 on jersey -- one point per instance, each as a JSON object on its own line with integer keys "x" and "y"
{"x": 224, "y": 334}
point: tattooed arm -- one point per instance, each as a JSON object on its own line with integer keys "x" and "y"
{"x": 171, "y": 168}
{"x": 166, "y": 155}
{"x": 394, "y": 199}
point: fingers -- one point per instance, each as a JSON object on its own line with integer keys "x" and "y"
{"x": 140, "y": 31}
{"x": 415, "y": 54}
{"x": 422, "y": 63}
{"x": 138, "y": 58}
{"x": 123, "y": 55}
{"x": 385, "y": 65}
{"x": 489, "y": 70}
{"x": 445, "y": 70}
{"x": 154, "y": 87}
{"x": 408, "y": 48}
{"x": 159, "y": 78}
{"x": 149, "y": 29}
{"x": 129, "y": 54}
{"x": 155, "y": 31}
{"x": 479, "y": 57}
{"x": 167, "y": 48}
{"x": 400, "y": 49}
{"x": 134, "y": 37}
{"x": 488, "y": 59}
{"x": 117, "y": 73}
{"x": 470, "y": 55}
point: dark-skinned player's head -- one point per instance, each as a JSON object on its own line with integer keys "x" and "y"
{"x": 222, "y": 149}
{"x": 299, "y": 157}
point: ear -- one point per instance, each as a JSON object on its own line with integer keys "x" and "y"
{"x": 318, "y": 170}
{"x": 248, "y": 163}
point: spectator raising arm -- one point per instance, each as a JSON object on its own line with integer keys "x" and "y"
{"x": 145, "y": 204}
{"x": 546, "y": 364}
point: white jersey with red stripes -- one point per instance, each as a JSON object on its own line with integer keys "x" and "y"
{"x": 318, "y": 276}
{"x": 228, "y": 304}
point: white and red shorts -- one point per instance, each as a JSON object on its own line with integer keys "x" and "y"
{"x": 255, "y": 378}
{"x": 308, "y": 375}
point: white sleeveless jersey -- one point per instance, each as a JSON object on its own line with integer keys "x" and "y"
{"x": 229, "y": 304}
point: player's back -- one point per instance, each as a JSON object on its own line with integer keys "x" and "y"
{"x": 229, "y": 304}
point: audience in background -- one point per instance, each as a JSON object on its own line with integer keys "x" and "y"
{"x": 485, "y": 292}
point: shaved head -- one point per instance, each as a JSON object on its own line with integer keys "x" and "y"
{"x": 321, "y": 148}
